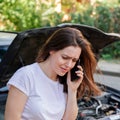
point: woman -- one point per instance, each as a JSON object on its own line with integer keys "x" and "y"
{"x": 44, "y": 90}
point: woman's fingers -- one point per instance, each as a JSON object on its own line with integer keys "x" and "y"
{"x": 79, "y": 73}
{"x": 80, "y": 68}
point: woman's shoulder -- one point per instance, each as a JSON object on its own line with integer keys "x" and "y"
{"x": 28, "y": 67}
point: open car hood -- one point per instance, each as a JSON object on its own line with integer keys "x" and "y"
{"x": 23, "y": 50}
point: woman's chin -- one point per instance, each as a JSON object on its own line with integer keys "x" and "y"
{"x": 62, "y": 74}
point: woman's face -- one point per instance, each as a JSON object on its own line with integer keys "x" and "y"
{"x": 64, "y": 60}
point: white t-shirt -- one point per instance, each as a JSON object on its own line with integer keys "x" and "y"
{"x": 46, "y": 99}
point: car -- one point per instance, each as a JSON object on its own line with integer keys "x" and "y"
{"x": 22, "y": 50}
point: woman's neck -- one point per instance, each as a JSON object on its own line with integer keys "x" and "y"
{"x": 46, "y": 68}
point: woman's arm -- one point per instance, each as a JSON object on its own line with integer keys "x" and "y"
{"x": 15, "y": 104}
{"x": 71, "y": 108}
{"x": 71, "y": 111}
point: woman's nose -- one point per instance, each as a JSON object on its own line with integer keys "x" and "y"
{"x": 69, "y": 64}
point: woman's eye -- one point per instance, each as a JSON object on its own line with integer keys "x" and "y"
{"x": 75, "y": 61}
{"x": 67, "y": 58}
{"x": 64, "y": 57}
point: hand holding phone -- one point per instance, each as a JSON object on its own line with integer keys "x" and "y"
{"x": 73, "y": 70}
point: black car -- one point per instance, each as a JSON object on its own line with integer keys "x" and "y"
{"x": 22, "y": 50}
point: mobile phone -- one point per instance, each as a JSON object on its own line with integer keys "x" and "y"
{"x": 73, "y": 70}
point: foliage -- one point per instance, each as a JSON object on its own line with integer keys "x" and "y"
{"x": 107, "y": 18}
{"x": 113, "y": 50}
{"x": 19, "y": 15}
{"x": 16, "y": 16}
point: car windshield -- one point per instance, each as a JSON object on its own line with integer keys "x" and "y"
{"x": 5, "y": 40}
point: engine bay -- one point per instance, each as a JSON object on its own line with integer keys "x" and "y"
{"x": 104, "y": 107}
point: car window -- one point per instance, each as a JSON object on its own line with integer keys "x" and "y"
{"x": 6, "y": 39}
{"x": 3, "y": 50}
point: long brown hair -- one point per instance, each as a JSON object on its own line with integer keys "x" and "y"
{"x": 65, "y": 37}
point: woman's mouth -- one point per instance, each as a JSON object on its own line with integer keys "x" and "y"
{"x": 64, "y": 70}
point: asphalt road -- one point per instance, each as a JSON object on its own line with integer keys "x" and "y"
{"x": 111, "y": 81}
